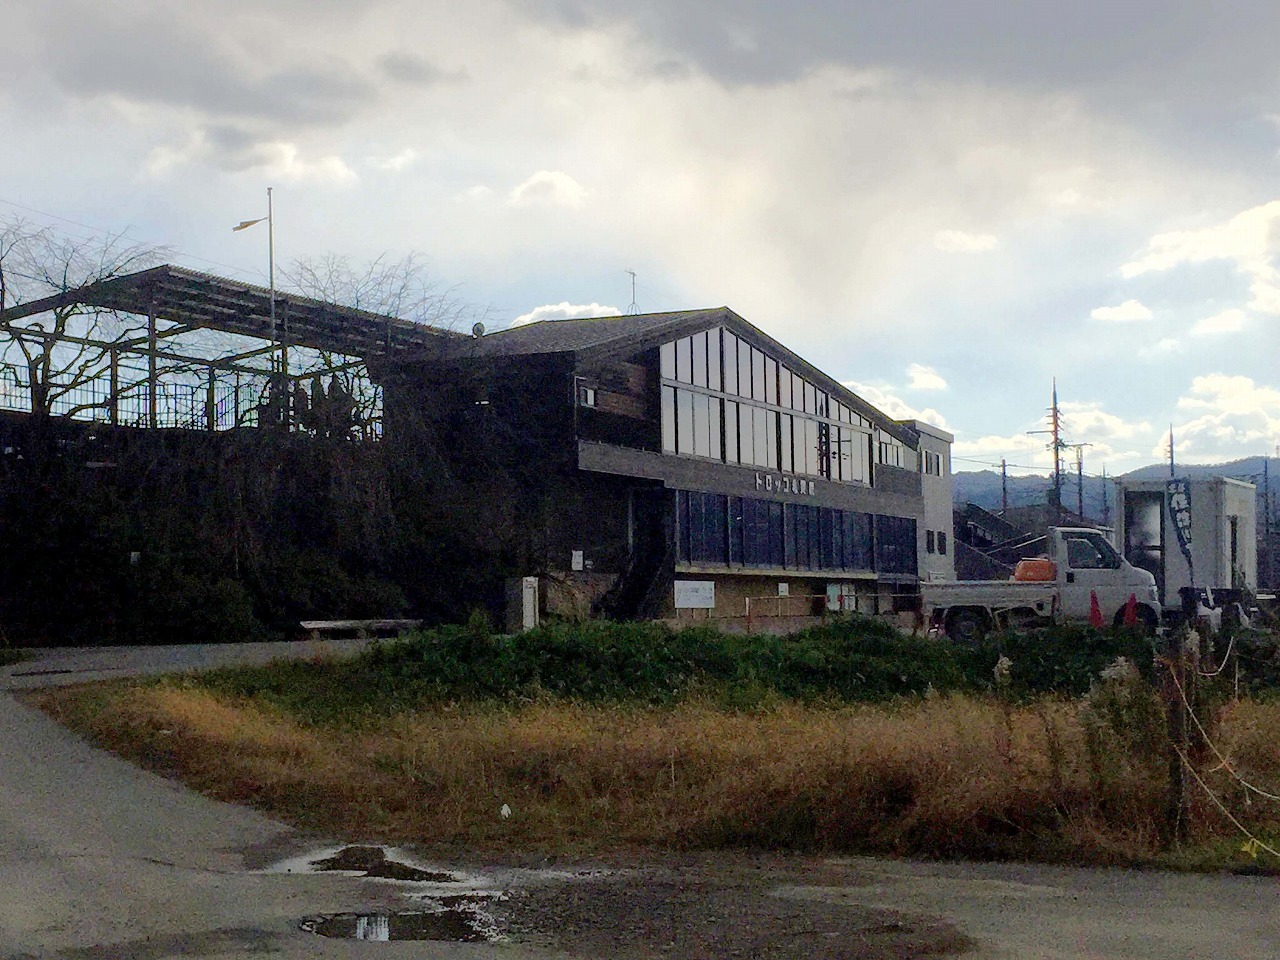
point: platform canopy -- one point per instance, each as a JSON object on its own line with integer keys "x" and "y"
{"x": 202, "y": 301}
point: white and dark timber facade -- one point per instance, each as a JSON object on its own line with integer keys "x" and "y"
{"x": 679, "y": 464}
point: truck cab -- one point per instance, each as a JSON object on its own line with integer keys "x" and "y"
{"x": 1081, "y": 565}
{"x": 1088, "y": 566}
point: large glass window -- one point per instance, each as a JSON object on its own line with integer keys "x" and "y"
{"x": 698, "y": 421}
{"x": 744, "y": 531}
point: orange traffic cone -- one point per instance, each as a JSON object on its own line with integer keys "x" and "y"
{"x": 1095, "y": 612}
{"x": 1131, "y": 612}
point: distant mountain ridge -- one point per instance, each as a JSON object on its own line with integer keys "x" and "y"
{"x": 983, "y": 486}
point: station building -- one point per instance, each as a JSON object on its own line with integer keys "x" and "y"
{"x": 688, "y": 465}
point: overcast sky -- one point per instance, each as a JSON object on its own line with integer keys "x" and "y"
{"x": 945, "y": 204}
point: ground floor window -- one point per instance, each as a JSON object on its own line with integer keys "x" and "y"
{"x": 720, "y": 530}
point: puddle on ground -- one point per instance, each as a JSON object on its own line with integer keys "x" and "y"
{"x": 453, "y": 919}
{"x": 374, "y": 862}
{"x": 381, "y": 863}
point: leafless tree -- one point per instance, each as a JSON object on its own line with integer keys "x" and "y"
{"x": 398, "y": 288}
{"x": 53, "y": 355}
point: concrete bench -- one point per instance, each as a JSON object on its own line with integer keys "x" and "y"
{"x": 361, "y": 628}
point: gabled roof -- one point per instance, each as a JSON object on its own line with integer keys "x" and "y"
{"x": 597, "y": 334}
{"x": 602, "y": 338}
{"x": 202, "y": 300}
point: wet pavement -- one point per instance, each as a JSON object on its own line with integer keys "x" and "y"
{"x": 102, "y": 861}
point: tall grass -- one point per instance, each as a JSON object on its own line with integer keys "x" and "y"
{"x": 847, "y": 737}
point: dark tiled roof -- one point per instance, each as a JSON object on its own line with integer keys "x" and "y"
{"x": 590, "y": 334}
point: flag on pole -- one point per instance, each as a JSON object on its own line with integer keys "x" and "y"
{"x": 246, "y": 224}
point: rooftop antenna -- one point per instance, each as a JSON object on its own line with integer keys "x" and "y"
{"x": 632, "y": 308}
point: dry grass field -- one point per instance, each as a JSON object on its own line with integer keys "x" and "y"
{"x": 1073, "y": 780}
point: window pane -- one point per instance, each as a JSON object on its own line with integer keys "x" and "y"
{"x": 684, "y": 360}
{"x": 797, "y": 392}
{"x": 789, "y": 535}
{"x": 713, "y": 359}
{"x": 784, "y": 387}
{"x": 699, "y": 359}
{"x": 811, "y": 462}
{"x": 730, "y": 363}
{"x": 669, "y": 419}
{"x": 697, "y": 525}
{"x": 716, "y": 408}
{"x": 802, "y": 536}
{"x": 826, "y": 543}
{"x": 744, "y": 369}
{"x": 761, "y": 437}
{"x": 786, "y": 457}
{"x": 701, "y": 442}
{"x": 669, "y": 361}
{"x": 682, "y": 526}
{"x": 822, "y": 403}
{"x": 730, "y": 431}
{"x": 735, "y": 530}
{"x": 746, "y": 435}
{"x": 809, "y": 398}
{"x": 684, "y": 421}
{"x": 757, "y": 374}
{"x": 776, "y": 557}
{"x": 771, "y": 437}
{"x": 770, "y": 380}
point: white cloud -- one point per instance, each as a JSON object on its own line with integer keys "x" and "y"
{"x": 1245, "y": 239}
{"x": 924, "y": 378}
{"x": 1087, "y": 422}
{"x": 1238, "y": 417}
{"x": 884, "y": 400}
{"x": 958, "y": 241}
{"x": 1127, "y": 312}
{"x": 564, "y": 310}
{"x": 402, "y": 160}
{"x": 550, "y": 188}
{"x": 1164, "y": 347}
{"x": 1228, "y": 321}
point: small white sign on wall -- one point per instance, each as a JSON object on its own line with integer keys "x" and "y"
{"x": 784, "y": 589}
{"x": 575, "y": 560}
{"x": 695, "y": 594}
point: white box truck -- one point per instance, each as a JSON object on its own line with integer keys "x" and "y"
{"x": 1197, "y": 537}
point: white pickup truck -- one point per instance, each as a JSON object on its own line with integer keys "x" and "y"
{"x": 1083, "y": 564}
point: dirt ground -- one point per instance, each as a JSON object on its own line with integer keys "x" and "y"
{"x": 717, "y": 905}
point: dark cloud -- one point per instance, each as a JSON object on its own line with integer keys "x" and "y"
{"x": 163, "y": 60}
{"x": 1149, "y": 47}
{"x": 414, "y": 70}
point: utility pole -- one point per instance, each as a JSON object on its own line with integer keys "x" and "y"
{"x": 1057, "y": 456}
{"x": 1004, "y": 487}
{"x": 1080, "y": 479}
{"x": 1172, "y": 474}
{"x": 1106, "y": 499}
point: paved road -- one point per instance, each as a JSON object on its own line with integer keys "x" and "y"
{"x": 101, "y": 860}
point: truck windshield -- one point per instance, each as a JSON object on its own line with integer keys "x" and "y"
{"x": 1090, "y": 551}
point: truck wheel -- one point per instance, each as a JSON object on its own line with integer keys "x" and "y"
{"x": 966, "y": 626}
{"x": 1147, "y": 624}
